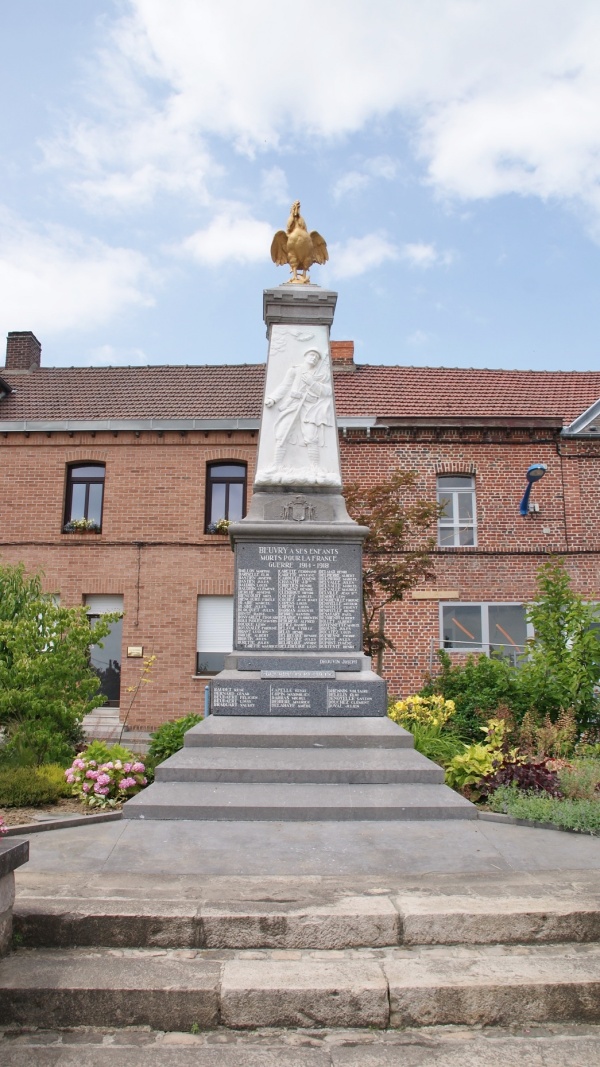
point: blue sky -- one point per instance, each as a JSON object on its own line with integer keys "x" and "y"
{"x": 448, "y": 151}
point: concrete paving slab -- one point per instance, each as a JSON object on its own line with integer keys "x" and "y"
{"x": 67, "y": 987}
{"x": 473, "y": 989}
{"x": 358, "y": 852}
{"x": 345, "y": 923}
{"x": 505, "y": 918}
{"x": 303, "y": 993}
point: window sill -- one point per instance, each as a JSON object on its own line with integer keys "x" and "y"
{"x": 82, "y": 532}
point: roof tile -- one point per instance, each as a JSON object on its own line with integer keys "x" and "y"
{"x": 235, "y": 391}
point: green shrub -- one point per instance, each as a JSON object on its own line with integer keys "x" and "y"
{"x": 30, "y": 787}
{"x": 582, "y": 815}
{"x": 581, "y": 780}
{"x": 101, "y": 752}
{"x": 478, "y": 687}
{"x": 168, "y": 739}
{"x": 46, "y": 682}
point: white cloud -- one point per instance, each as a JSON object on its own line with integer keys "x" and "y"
{"x": 500, "y": 97}
{"x": 360, "y": 254}
{"x": 229, "y": 237}
{"x": 274, "y": 186}
{"x": 352, "y": 182}
{"x": 426, "y": 255}
{"x": 357, "y": 180}
{"x": 381, "y": 167}
{"x": 54, "y": 280}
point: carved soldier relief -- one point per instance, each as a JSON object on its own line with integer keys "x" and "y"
{"x": 298, "y": 441}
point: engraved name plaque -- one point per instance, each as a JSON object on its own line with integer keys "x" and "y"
{"x": 298, "y": 696}
{"x": 300, "y": 597}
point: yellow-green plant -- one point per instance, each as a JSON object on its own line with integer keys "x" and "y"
{"x": 431, "y": 711}
{"x": 426, "y": 718}
{"x": 477, "y": 761}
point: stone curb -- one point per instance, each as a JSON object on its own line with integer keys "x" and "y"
{"x": 62, "y": 824}
{"x": 508, "y": 820}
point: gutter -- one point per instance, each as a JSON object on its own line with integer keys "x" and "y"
{"x": 95, "y": 425}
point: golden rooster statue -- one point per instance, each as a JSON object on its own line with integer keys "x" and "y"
{"x": 296, "y": 246}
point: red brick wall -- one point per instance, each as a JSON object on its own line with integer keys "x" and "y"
{"x": 153, "y": 551}
{"x": 510, "y": 549}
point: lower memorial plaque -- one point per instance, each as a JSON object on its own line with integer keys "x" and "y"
{"x": 304, "y": 696}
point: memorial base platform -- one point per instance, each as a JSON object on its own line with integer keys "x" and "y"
{"x": 285, "y": 768}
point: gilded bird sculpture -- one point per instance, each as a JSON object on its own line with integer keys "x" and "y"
{"x": 296, "y": 246}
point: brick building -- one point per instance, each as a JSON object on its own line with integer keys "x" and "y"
{"x": 154, "y": 455}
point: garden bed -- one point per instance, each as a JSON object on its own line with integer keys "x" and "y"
{"x": 64, "y": 806}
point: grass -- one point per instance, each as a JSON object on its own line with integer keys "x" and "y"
{"x": 568, "y": 814}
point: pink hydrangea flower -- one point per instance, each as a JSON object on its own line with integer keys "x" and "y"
{"x": 86, "y": 787}
{"x": 92, "y": 774}
{"x": 138, "y": 768}
{"x": 79, "y": 763}
{"x": 127, "y": 767}
{"x": 70, "y": 778}
{"x": 103, "y": 779}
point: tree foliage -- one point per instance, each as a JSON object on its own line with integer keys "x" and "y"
{"x": 562, "y": 669}
{"x": 396, "y": 554}
{"x": 46, "y": 682}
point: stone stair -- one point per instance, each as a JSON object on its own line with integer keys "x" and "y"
{"x": 272, "y": 768}
{"x": 404, "y": 959}
{"x": 104, "y": 724}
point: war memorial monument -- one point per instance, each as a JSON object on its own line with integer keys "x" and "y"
{"x": 298, "y": 725}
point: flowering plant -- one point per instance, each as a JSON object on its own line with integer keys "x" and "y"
{"x": 221, "y": 526}
{"x": 431, "y": 711}
{"x": 80, "y": 524}
{"x": 105, "y": 785}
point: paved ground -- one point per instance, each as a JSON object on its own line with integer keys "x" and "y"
{"x": 535, "y": 1046}
{"x": 352, "y": 850}
{"x": 292, "y": 862}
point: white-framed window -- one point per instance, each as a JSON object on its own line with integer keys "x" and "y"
{"x": 457, "y": 524}
{"x": 497, "y": 629}
{"x": 215, "y": 633}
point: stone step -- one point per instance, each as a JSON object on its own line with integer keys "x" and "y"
{"x": 355, "y": 766}
{"x": 283, "y": 732}
{"x": 559, "y": 1044}
{"x": 181, "y": 989}
{"x": 345, "y": 922}
{"x": 258, "y": 801}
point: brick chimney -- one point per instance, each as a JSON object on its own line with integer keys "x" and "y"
{"x": 342, "y": 357}
{"x": 23, "y": 350}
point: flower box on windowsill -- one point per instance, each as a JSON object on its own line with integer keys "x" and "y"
{"x": 78, "y": 526}
{"x": 220, "y": 527}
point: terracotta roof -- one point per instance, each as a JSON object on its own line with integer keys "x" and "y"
{"x": 401, "y": 392}
{"x": 236, "y": 392}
